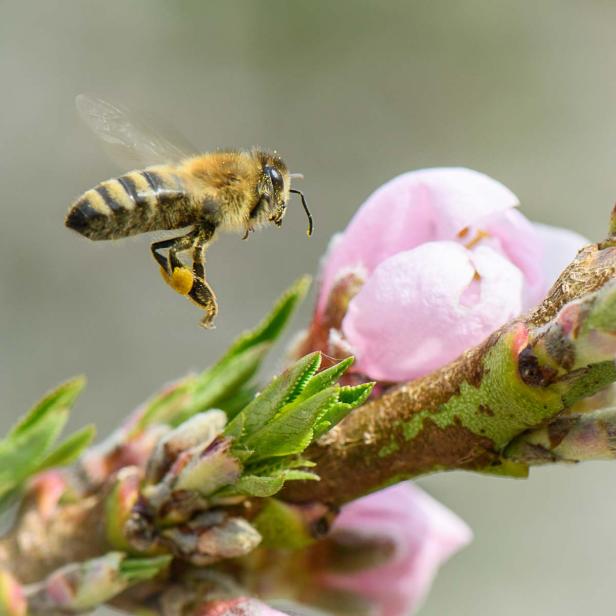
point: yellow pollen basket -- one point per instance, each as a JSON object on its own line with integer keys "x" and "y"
{"x": 181, "y": 280}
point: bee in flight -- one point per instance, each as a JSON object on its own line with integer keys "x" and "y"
{"x": 233, "y": 190}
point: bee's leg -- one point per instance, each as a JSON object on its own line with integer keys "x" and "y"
{"x": 162, "y": 260}
{"x": 173, "y": 271}
{"x": 201, "y": 293}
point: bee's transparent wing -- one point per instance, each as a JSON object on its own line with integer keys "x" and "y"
{"x": 130, "y": 140}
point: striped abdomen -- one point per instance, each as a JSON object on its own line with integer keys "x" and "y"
{"x": 138, "y": 202}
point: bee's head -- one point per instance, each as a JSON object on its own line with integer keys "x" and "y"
{"x": 275, "y": 188}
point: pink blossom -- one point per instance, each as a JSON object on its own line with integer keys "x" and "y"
{"x": 439, "y": 260}
{"x": 423, "y": 534}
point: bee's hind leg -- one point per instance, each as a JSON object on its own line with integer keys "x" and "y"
{"x": 174, "y": 272}
{"x": 201, "y": 293}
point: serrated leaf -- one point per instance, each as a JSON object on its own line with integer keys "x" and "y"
{"x": 291, "y": 431}
{"x": 326, "y": 378}
{"x": 349, "y": 398}
{"x": 57, "y": 400}
{"x": 70, "y": 449}
{"x": 283, "y": 387}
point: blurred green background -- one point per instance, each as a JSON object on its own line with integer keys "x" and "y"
{"x": 351, "y": 93}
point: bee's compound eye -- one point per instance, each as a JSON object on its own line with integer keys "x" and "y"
{"x": 275, "y": 177}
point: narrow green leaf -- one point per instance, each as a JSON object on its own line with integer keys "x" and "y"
{"x": 291, "y": 431}
{"x": 70, "y": 449}
{"x": 265, "y": 486}
{"x": 326, "y": 378}
{"x": 58, "y": 399}
{"x": 135, "y": 570}
{"x": 285, "y": 386}
{"x": 21, "y": 455}
{"x": 349, "y": 398}
{"x": 297, "y": 475}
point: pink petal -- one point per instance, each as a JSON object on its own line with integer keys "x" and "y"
{"x": 422, "y": 308}
{"x": 425, "y": 534}
{"x": 520, "y": 242}
{"x": 559, "y": 248}
{"x": 416, "y": 207}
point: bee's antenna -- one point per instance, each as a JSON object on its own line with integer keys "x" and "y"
{"x": 297, "y": 176}
{"x": 301, "y": 196}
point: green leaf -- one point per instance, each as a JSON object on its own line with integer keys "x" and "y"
{"x": 349, "y": 398}
{"x": 262, "y": 487}
{"x": 26, "y": 449}
{"x": 70, "y": 449}
{"x": 327, "y": 378}
{"x": 61, "y": 398}
{"x": 21, "y": 455}
{"x": 135, "y": 570}
{"x": 291, "y": 431}
{"x": 265, "y": 486}
{"x": 282, "y": 388}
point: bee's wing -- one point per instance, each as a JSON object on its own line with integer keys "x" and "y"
{"x": 130, "y": 140}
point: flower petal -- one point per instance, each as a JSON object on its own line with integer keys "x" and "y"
{"x": 424, "y": 534}
{"x": 520, "y": 242}
{"x": 416, "y": 207}
{"x": 422, "y": 308}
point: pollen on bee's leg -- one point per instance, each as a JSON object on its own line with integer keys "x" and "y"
{"x": 181, "y": 280}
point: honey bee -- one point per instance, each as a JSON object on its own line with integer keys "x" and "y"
{"x": 227, "y": 190}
